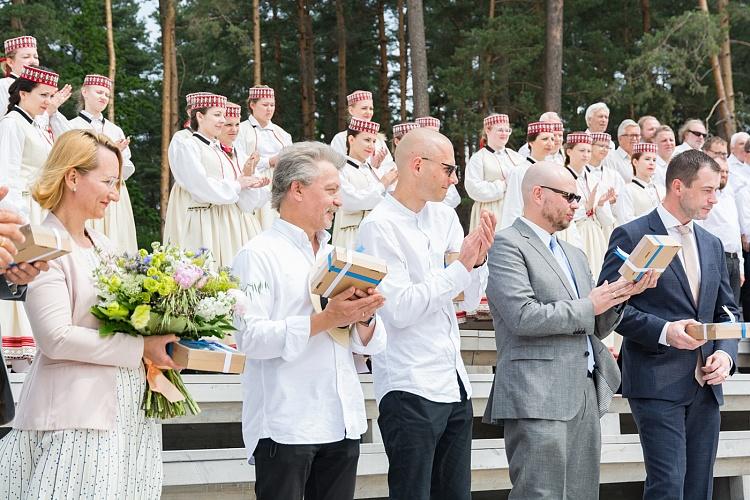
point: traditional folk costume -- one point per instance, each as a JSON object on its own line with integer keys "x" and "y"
{"x": 117, "y": 224}
{"x": 361, "y": 191}
{"x": 268, "y": 140}
{"x": 486, "y": 175}
{"x": 24, "y": 147}
{"x": 207, "y": 206}
{"x": 11, "y": 45}
{"x": 557, "y": 157}
{"x": 640, "y": 196}
{"x": 596, "y": 224}
{"x": 428, "y": 122}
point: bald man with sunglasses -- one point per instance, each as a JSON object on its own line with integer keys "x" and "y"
{"x": 554, "y": 378}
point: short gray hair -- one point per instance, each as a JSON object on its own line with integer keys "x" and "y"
{"x": 737, "y": 137}
{"x": 298, "y": 162}
{"x": 594, "y": 108}
{"x": 550, "y": 116}
{"x": 625, "y": 124}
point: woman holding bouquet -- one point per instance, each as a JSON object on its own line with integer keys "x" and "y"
{"x": 211, "y": 195}
{"x": 117, "y": 224}
{"x": 79, "y": 430}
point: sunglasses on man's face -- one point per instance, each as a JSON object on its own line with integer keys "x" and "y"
{"x": 449, "y": 169}
{"x": 698, "y": 134}
{"x": 569, "y": 197}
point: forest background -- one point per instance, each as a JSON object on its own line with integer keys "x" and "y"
{"x": 456, "y": 60}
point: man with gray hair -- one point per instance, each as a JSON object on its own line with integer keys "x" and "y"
{"x": 738, "y": 159}
{"x": 303, "y": 409}
{"x": 628, "y": 135}
{"x": 597, "y": 120}
{"x": 692, "y": 135}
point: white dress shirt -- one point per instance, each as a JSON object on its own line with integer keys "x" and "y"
{"x": 101, "y": 125}
{"x": 660, "y": 174}
{"x": 619, "y": 161}
{"x": 297, "y": 389}
{"x": 423, "y": 353}
{"x": 723, "y": 221}
{"x": 681, "y": 149}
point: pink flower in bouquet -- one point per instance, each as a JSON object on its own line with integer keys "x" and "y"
{"x": 241, "y": 302}
{"x": 187, "y": 275}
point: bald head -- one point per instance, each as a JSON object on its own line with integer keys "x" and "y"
{"x": 546, "y": 173}
{"x": 420, "y": 142}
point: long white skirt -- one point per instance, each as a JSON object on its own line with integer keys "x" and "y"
{"x": 121, "y": 464}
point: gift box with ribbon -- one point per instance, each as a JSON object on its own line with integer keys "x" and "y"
{"x": 717, "y": 331}
{"x": 207, "y": 356}
{"x": 652, "y": 252}
{"x": 42, "y": 243}
{"x": 343, "y": 268}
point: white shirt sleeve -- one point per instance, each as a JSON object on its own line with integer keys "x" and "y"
{"x": 513, "y": 204}
{"x": 191, "y": 175}
{"x": 452, "y": 198}
{"x": 258, "y": 336}
{"x": 477, "y": 187}
{"x": 354, "y": 198}
{"x": 339, "y": 143}
{"x": 419, "y": 299}
{"x": 479, "y": 276}
{"x": 624, "y": 209}
{"x": 253, "y": 198}
{"x": 59, "y": 124}
{"x": 128, "y": 168}
{"x": 4, "y": 98}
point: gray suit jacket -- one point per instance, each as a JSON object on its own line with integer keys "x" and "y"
{"x": 7, "y": 407}
{"x": 541, "y": 329}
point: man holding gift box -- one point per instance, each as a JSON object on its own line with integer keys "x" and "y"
{"x": 13, "y": 281}
{"x": 555, "y": 377}
{"x": 420, "y": 381}
{"x": 673, "y": 382}
{"x": 303, "y": 409}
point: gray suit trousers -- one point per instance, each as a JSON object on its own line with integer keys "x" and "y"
{"x": 543, "y": 452}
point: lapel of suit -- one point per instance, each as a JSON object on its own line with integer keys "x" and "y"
{"x": 580, "y": 271}
{"x": 657, "y": 226}
{"x": 701, "y": 241}
{"x": 545, "y": 252}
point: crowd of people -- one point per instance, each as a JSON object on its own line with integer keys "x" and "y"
{"x": 547, "y": 225}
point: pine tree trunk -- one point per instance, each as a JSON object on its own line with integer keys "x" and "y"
{"x": 646, "y": 15}
{"x": 385, "y": 114}
{"x": 15, "y": 22}
{"x": 725, "y": 119}
{"x": 418, "y": 51}
{"x": 307, "y": 69}
{"x": 553, "y": 56}
{"x": 484, "y": 103}
{"x": 112, "y": 57}
{"x": 725, "y": 62}
{"x": 167, "y": 13}
{"x": 257, "y": 79}
{"x": 276, "y": 44}
{"x": 341, "y": 121}
{"x": 402, "y": 59}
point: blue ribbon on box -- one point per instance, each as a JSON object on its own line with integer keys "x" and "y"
{"x": 206, "y": 345}
{"x": 351, "y": 274}
{"x": 624, "y": 256}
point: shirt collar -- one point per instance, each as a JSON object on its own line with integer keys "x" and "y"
{"x": 297, "y": 235}
{"x": 90, "y": 116}
{"x": 669, "y": 220}
{"x": 255, "y": 123}
{"x": 542, "y": 233}
{"x": 623, "y": 154}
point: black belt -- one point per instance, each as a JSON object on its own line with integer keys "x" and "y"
{"x": 729, "y": 255}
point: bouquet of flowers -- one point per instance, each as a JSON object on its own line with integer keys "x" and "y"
{"x": 167, "y": 291}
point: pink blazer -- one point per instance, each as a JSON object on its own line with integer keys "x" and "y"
{"x": 71, "y": 383}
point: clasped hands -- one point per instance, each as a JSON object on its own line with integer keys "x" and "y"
{"x": 478, "y": 242}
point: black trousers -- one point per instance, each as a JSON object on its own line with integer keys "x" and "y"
{"x": 745, "y": 296}
{"x": 733, "y": 268}
{"x": 428, "y": 446}
{"x": 313, "y": 471}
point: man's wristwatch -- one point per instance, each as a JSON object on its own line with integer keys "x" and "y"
{"x": 483, "y": 263}
{"x": 367, "y": 321}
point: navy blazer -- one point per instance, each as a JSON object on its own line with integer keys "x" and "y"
{"x": 652, "y": 370}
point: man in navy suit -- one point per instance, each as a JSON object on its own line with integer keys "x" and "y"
{"x": 673, "y": 382}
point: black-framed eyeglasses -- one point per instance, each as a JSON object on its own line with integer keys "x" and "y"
{"x": 449, "y": 169}
{"x": 569, "y": 197}
{"x": 698, "y": 134}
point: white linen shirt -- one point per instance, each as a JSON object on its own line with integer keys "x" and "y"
{"x": 619, "y": 161}
{"x": 270, "y": 140}
{"x": 297, "y": 389}
{"x": 101, "y": 125}
{"x": 423, "y": 353}
{"x": 723, "y": 221}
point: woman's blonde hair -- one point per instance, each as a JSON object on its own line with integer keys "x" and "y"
{"x": 74, "y": 149}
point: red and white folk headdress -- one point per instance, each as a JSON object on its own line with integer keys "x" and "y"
{"x": 209, "y": 101}
{"x": 40, "y": 76}
{"x": 233, "y": 110}
{"x": 428, "y": 121}
{"x": 363, "y": 126}
{"x": 358, "y": 95}
{"x": 496, "y": 119}
{"x": 260, "y": 93}
{"x": 644, "y": 147}
{"x": 20, "y": 42}
{"x": 400, "y": 129}
{"x": 601, "y": 137}
{"x": 101, "y": 81}
{"x": 539, "y": 127}
{"x": 578, "y": 138}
